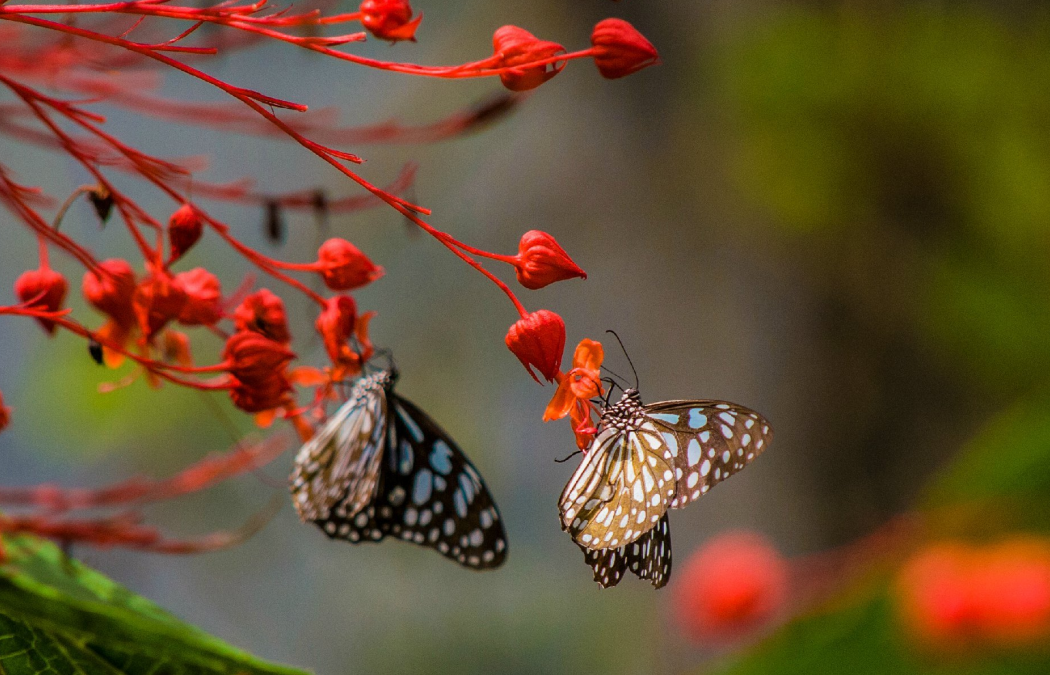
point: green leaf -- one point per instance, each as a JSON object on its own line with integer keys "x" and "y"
{"x": 57, "y": 616}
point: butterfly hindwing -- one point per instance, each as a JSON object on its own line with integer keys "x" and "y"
{"x": 709, "y": 440}
{"x": 622, "y": 487}
{"x": 649, "y": 557}
{"x": 437, "y": 497}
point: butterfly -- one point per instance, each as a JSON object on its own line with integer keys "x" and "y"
{"x": 645, "y": 459}
{"x": 381, "y": 466}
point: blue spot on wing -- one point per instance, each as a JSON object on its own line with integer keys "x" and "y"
{"x": 697, "y": 418}
{"x": 441, "y": 457}
{"x": 669, "y": 418}
{"x": 413, "y": 429}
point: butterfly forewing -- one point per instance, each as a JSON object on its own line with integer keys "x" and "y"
{"x": 340, "y": 464}
{"x": 709, "y": 441}
{"x": 429, "y": 494}
{"x": 620, "y": 490}
{"x": 649, "y": 557}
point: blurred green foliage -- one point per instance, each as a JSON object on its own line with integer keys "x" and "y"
{"x": 92, "y": 426}
{"x": 919, "y": 137}
{"x": 926, "y": 129}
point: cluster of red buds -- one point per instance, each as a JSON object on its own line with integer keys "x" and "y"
{"x": 155, "y": 307}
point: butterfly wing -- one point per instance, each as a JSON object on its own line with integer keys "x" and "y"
{"x": 649, "y": 557}
{"x": 621, "y": 488}
{"x": 429, "y": 494}
{"x": 340, "y": 465}
{"x": 709, "y": 441}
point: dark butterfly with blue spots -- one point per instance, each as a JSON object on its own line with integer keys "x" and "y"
{"x": 645, "y": 459}
{"x": 382, "y": 467}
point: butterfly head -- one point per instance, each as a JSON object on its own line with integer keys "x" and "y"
{"x": 625, "y": 412}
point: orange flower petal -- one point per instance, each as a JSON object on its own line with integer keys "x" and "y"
{"x": 562, "y": 402}
{"x": 588, "y": 355}
{"x": 265, "y": 418}
{"x": 307, "y": 376}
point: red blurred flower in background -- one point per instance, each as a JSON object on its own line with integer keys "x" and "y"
{"x": 956, "y": 595}
{"x": 733, "y": 585}
{"x": 390, "y": 19}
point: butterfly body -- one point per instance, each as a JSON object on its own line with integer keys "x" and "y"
{"x": 382, "y": 467}
{"x": 644, "y": 460}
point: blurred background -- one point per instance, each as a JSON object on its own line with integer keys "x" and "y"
{"x": 835, "y": 213}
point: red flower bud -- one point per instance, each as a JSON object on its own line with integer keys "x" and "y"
{"x": 157, "y": 300}
{"x": 538, "y": 340}
{"x": 620, "y": 50}
{"x": 541, "y": 261}
{"x": 390, "y": 19}
{"x": 344, "y": 267}
{"x": 5, "y": 413}
{"x": 336, "y": 325}
{"x": 109, "y": 289}
{"x": 184, "y": 229}
{"x": 266, "y": 394}
{"x": 203, "y": 297}
{"x": 263, "y": 312}
{"x": 734, "y": 584}
{"x": 254, "y": 358}
{"x": 44, "y": 289}
{"x": 517, "y": 46}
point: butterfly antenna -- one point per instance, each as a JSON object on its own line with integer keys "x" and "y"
{"x": 627, "y": 355}
{"x": 610, "y": 371}
{"x": 566, "y": 459}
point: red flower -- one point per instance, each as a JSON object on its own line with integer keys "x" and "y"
{"x": 266, "y": 394}
{"x": 541, "y": 261}
{"x": 953, "y": 595}
{"x": 344, "y": 267}
{"x": 576, "y": 389}
{"x": 263, "y": 312}
{"x": 538, "y": 340}
{"x": 43, "y": 289}
{"x": 516, "y": 46}
{"x": 109, "y": 289}
{"x": 390, "y": 19}
{"x": 254, "y": 359}
{"x": 1013, "y": 590}
{"x": 620, "y": 50}
{"x": 203, "y": 305}
{"x": 5, "y": 413}
{"x": 157, "y": 300}
{"x": 336, "y": 325}
{"x": 734, "y": 584}
{"x": 184, "y": 229}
